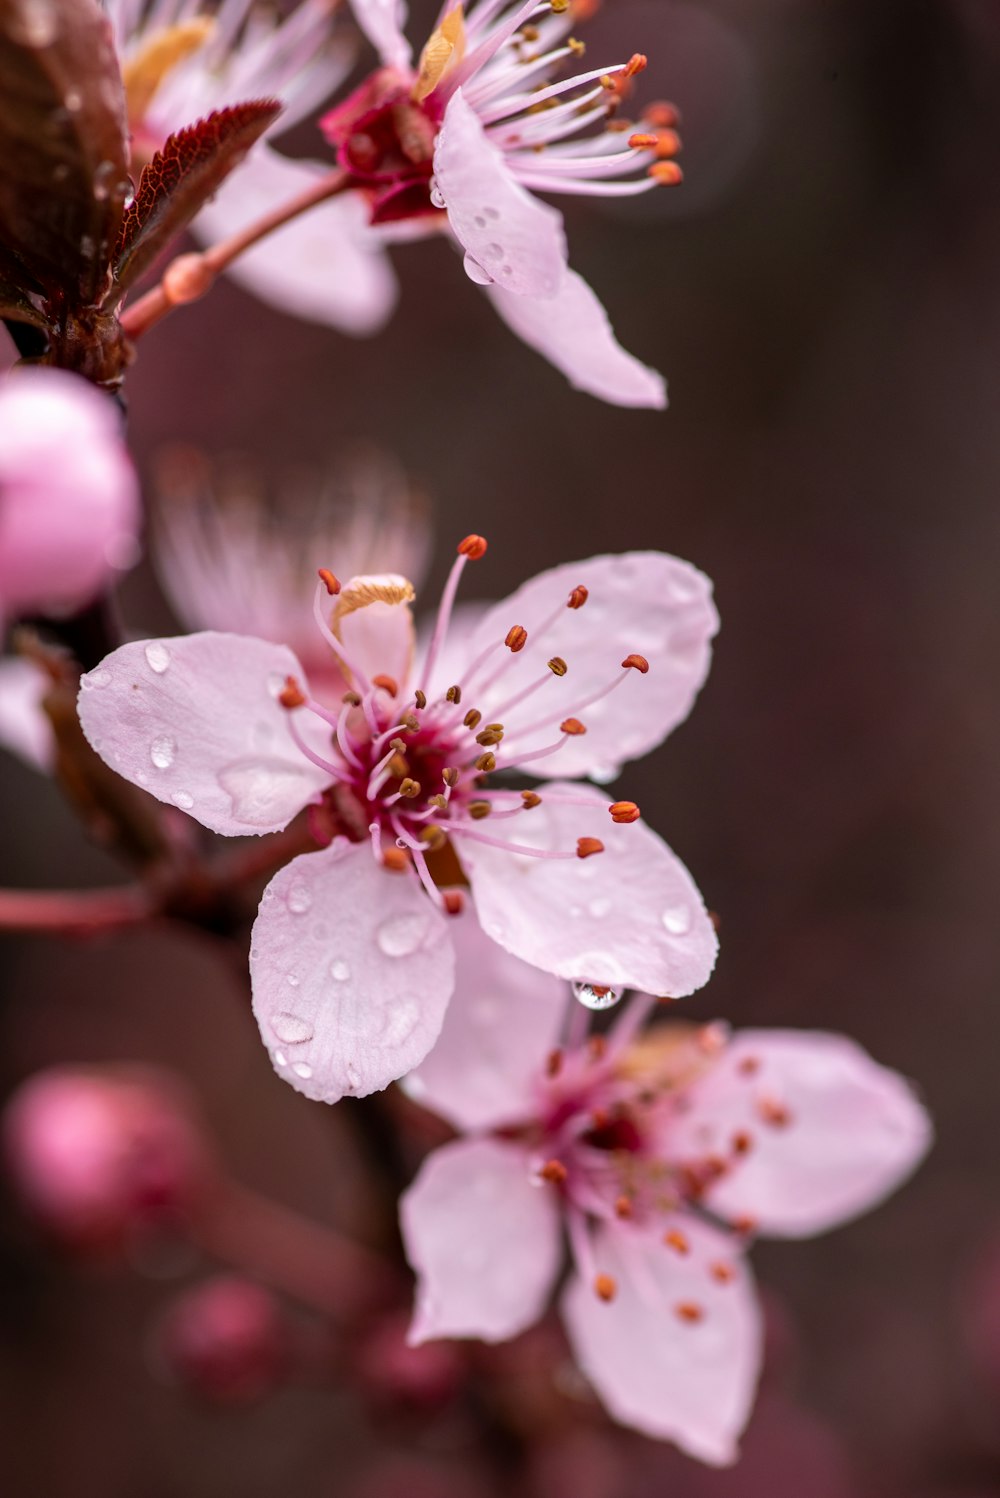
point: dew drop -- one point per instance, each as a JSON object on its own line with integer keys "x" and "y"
{"x": 162, "y": 751}
{"x": 95, "y": 679}
{"x": 437, "y": 196}
{"x": 400, "y": 1023}
{"x": 299, "y": 899}
{"x": 401, "y": 934}
{"x": 260, "y": 788}
{"x": 340, "y": 970}
{"x": 476, "y": 272}
{"x": 157, "y": 657}
{"x": 596, "y": 995}
{"x": 280, "y": 1058}
{"x": 290, "y": 1028}
{"x": 182, "y": 799}
{"x": 302, "y": 1069}
{"x": 677, "y": 920}
{"x": 292, "y": 979}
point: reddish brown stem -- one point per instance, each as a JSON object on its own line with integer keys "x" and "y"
{"x": 75, "y": 912}
{"x": 189, "y": 277}
{"x": 314, "y": 1265}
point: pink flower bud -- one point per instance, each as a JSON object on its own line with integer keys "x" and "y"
{"x": 226, "y": 1340}
{"x": 69, "y": 497}
{"x": 394, "y": 1373}
{"x": 101, "y": 1156}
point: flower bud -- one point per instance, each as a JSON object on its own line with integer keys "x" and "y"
{"x": 226, "y": 1340}
{"x": 394, "y": 1373}
{"x": 69, "y": 497}
{"x": 101, "y": 1156}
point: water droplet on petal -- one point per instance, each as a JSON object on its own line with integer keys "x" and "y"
{"x": 600, "y": 908}
{"x": 299, "y": 899}
{"x": 400, "y": 1023}
{"x": 596, "y": 995}
{"x": 340, "y": 970}
{"x": 677, "y": 920}
{"x": 280, "y": 1058}
{"x": 290, "y": 1028}
{"x": 437, "y": 196}
{"x": 162, "y": 751}
{"x": 476, "y": 272}
{"x": 302, "y": 1069}
{"x": 95, "y": 679}
{"x": 158, "y": 657}
{"x": 401, "y": 934}
{"x": 260, "y": 788}
{"x": 353, "y": 1077}
{"x": 292, "y": 979}
{"x": 182, "y": 799}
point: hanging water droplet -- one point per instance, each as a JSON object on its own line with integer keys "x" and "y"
{"x": 162, "y": 751}
{"x": 299, "y": 899}
{"x": 437, "y": 196}
{"x": 291, "y": 1028}
{"x": 280, "y": 1058}
{"x": 401, "y": 934}
{"x": 340, "y": 970}
{"x": 353, "y": 1078}
{"x": 596, "y": 995}
{"x": 182, "y": 799}
{"x": 95, "y": 679}
{"x": 677, "y": 920}
{"x": 292, "y": 979}
{"x": 302, "y": 1069}
{"x": 476, "y": 272}
{"x": 157, "y": 657}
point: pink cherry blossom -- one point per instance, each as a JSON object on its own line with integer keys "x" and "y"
{"x": 69, "y": 498}
{"x": 467, "y": 137}
{"x": 657, "y": 1156}
{"x": 351, "y": 957}
{"x": 180, "y": 61}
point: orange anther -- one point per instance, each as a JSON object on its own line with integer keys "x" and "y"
{"x": 387, "y": 683}
{"x": 605, "y": 1287}
{"x": 449, "y": 776}
{"x": 661, "y": 115}
{"x": 578, "y": 597}
{"x": 472, "y": 547}
{"x": 558, "y": 666}
{"x": 530, "y": 799}
{"x": 553, "y": 1065}
{"x": 742, "y": 1142}
{"x": 637, "y": 63}
{"x": 486, "y": 762}
{"x": 329, "y": 581}
{"x": 667, "y": 143}
{"x": 454, "y": 901}
{"x": 745, "y": 1225}
{"x": 479, "y": 809}
{"x": 573, "y": 727}
{"x": 553, "y": 1171}
{"x": 291, "y": 695}
{"x": 473, "y": 718}
{"x": 624, "y": 811}
{"x": 636, "y": 663}
{"x": 623, "y": 1207}
{"x": 409, "y": 788}
{"x": 666, "y": 173}
{"x": 597, "y": 1046}
{"x": 517, "y": 638}
{"x": 586, "y": 847}
{"x": 419, "y": 699}
{"x": 676, "y": 1240}
{"x": 396, "y": 860}
{"x": 723, "y": 1274}
{"x": 454, "y": 694}
{"x": 640, "y": 142}
{"x": 749, "y": 1066}
{"x": 689, "y": 1311}
{"x": 434, "y": 837}
{"x": 774, "y": 1113}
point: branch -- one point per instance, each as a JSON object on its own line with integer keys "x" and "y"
{"x": 76, "y": 912}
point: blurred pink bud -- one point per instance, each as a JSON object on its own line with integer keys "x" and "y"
{"x": 69, "y": 496}
{"x": 101, "y": 1156}
{"x": 393, "y": 1373}
{"x": 226, "y": 1340}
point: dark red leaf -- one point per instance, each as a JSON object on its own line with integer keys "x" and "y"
{"x": 181, "y": 178}
{"x": 63, "y": 152}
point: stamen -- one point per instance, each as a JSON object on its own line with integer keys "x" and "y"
{"x": 558, "y": 666}
{"x": 334, "y": 771}
{"x": 665, "y": 173}
{"x": 490, "y": 735}
{"x": 530, "y": 799}
{"x": 605, "y": 1287}
{"x": 292, "y": 695}
{"x": 586, "y": 847}
{"x": 450, "y": 777}
{"x": 460, "y": 829}
{"x": 624, "y": 812}
{"x": 553, "y": 1171}
{"x": 420, "y": 699}
{"x": 677, "y": 1240}
{"x": 572, "y": 727}
{"x": 517, "y": 638}
{"x": 742, "y": 1143}
{"x": 774, "y": 1113}
{"x": 396, "y": 860}
{"x": 387, "y": 683}
{"x": 351, "y": 666}
{"x": 578, "y": 597}
{"x": 636, "y": 663}
{"x": 454, "y": 694}
{"x": 689, "y": 1311}
{"x": 478, "y": 810}
{"x": 623, "y": 1207}
{"x": 473, "y": 718}
{"x": 329, "y": 581}
{"x": 553, "y": 1065}
{"x": 471, "y": 549}
{"x": 454, "y": 901}
{"x": 486, "y": 763}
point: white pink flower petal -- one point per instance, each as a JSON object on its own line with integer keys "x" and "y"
{"x": 629, "y": 917}
{"x": 639, "y": 602}
{"x": 676, "y": 1353}
{"x": 503, "y": 1024}
{"x": 509, "y": 236}
{"x": 195, "y": 721}
{"x": 572, "y": 330}
{"x": 483, "y": 1239}
{"x": 25, "y": 729}
{"x": 832, "y": 1131}
{"x": 352, "y": 968}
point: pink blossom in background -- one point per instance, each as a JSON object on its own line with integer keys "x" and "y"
{"x": 467, "y": 138}
{"x": 181, "y": 61}
{"x": 101, "y": 1155}
{"x": 69, "y": 497}
{"x": 226, "y": 1340}
{"x": 657, "y": 1156}
{"x": 351, "y": 955}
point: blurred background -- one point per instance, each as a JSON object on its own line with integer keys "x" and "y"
{"x": 822, "y": 293}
